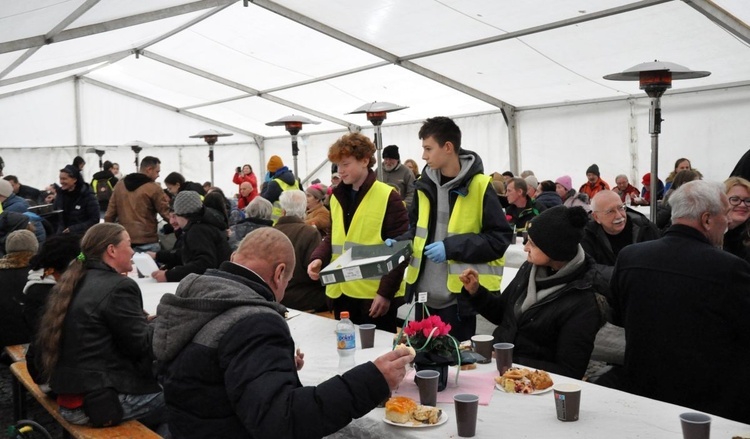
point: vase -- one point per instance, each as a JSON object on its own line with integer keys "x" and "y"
{"x": 442, "y": 369}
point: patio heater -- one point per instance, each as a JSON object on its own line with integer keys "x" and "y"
{"x": 210, "y": 136}
{"x": 655, "y": 78}
{"x": 293, "y": 124}
{"x": 136, "y": 146}
{"x": 376, "y": 114}
{"x": 100, "y": 153}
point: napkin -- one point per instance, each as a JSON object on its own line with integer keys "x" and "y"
{"x": 471, "y": 381}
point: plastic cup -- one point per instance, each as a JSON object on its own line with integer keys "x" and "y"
{"x": 427, "y": 381}
{"x": 567, "y": 401}
{"x": 367, "y": 335}
{"x": 483, "y": 346}
{"x": 695, "y": 425}
{"x": 466, "y": 414}
{"x": 503, "y": 356}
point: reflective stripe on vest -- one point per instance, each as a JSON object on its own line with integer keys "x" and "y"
{"x": 466, "y": 217}
{"x": 364, "y": 229}
{"x": 276, "y": 212}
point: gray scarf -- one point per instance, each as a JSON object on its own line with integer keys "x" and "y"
{"x": 541, "y": 273}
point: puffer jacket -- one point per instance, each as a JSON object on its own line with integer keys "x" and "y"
{"x": 555, "y": 334}
{"x": 80, "y": 209}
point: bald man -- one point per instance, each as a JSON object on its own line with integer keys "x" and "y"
{"x": 246, "y": 195}
{"x": 228, "y": 357}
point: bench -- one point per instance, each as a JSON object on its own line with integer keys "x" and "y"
{"x": 17, "y": 352}
{"x": 22, "y": 383}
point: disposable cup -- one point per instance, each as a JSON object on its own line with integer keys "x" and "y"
{"x": 567, "y": 401}
{"x": 427, "y": 382}
{"x": 503, "y": 356}
{"x": 483, "y": 346}
{"x": 466, "y": 414}
{"x": 695, "y": 425}
{"x": 367, "y": 335}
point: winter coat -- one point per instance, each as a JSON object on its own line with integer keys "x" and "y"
{"x": 80, "y": 209}
{"x": 238, "y": 179}
{"x": 204, "y": 246}
{"x": 320, "y": 217}
{"x": 547, "y": 199}
{"x": 555, "y": 334}
{"x": 14, "y": 269}
{"x": 272, "y": 191}
{"x": 106, "y": 341}
{"x": 111, "y": 179}
{"x": 135, "y": 202}
{"x": 14, "y": 203}
{"x": 402, "y": 179}
{"x": 227, "y": 358}
{"x": 519, "y": 217}
{"x": 592, "y": 189}
{"x": 735, "y": 241}
{"x": 302, "y": 292}
{"x": 684, "y": 305}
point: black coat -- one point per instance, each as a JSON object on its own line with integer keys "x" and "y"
{"x": 80, "y": 209}
{"x": 106, "y": 341}
{"x": 555, "y": 334}
{"x": 13, "y": 327}
{"x": 684, "y": 305}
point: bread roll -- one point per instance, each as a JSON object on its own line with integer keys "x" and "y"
{"x": 399, "y": 409}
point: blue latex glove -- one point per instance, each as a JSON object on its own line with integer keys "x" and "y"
{"x": 435, "y": 252}
{"x": 389, "y": 242}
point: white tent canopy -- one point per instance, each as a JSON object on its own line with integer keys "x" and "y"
{"x": 523, "y": 80}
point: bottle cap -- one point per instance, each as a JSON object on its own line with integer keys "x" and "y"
{"x": 344, "y": 314}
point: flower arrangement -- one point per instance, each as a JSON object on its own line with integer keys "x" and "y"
{"x": 431, "y": 339}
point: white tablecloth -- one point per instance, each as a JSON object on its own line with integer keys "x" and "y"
{"x": 604, "y": 412}
{"x": 151, "y": 292}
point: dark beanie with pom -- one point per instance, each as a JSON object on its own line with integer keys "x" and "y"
{"x": 558, "y": 231}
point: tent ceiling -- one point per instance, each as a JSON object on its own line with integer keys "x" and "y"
{"x": 244, "y": 66}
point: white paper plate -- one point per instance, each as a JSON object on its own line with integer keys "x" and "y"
{"x": 441, "y": 420}
{"x": 536, "y": 392}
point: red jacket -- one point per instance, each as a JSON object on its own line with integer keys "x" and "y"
{"x": 250, "y": 178}
{"x": 592, "y": 189}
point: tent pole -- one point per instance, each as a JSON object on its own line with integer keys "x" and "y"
{"x": 77, "y": 103}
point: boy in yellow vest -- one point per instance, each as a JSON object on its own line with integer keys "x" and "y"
{"x": 456, "y": 223}
{"x": 364, "y": 211}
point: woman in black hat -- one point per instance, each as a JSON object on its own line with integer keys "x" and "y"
{"x": 549, "y": 311}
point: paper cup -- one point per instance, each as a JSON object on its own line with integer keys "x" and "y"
{"x": 427, "y": 382}
{"x": 466, "y": 414}
{"x": 483, "y": 346}
{"x": 503, "y": 356}
{"x": 367, "y": 335}
{"x": 567, "y": 401}
{"x": 695, "y": 425}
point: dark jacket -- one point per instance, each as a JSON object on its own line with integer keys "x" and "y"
{"x": 519, "y": 217}
{"x": 735, "y": 241}
{"x": 229, "y": 371}
{"x": 204, "y": 246}
{"x": 302, "y": 293}
{"x": 193, "y": 186}
{"x": 30, "y": 193}
{"x": 106, "y": 341}
{"x": 472, "y": 248}
{"x": 684, "y": 305}
{"x": 14, "y": 269}
{"x": 555, "y": 334}
{"x": 242, "y": 228}
{"x": 395, "y": 223}
{"x": 80, "y": 209}
{"x": 547, "y": 199}
{"x": 272, "y": 190}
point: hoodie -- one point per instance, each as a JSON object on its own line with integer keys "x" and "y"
{"x": 135, "y": 201}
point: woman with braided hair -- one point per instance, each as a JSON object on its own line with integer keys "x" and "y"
{"x": 94, "y": 337}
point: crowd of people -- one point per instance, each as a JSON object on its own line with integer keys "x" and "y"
{"x": 675, "y": 290}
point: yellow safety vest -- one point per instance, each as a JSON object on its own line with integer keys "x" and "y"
{"x": 466, "y": 217}
{"x": 364, "y": 229}
{"x": 276, "y": 212}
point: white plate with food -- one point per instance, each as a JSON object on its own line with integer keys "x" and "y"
{"x": 535, "y": 392}
{"x": 416, "y": 424}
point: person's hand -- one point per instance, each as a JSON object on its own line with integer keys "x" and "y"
{"x": 470, "y": 279}
{"x": 393, "y": 366}
{"x": 435, "y": 252}
{"x": 159, "y": 275}
{"x": 313, "y": 270}
{"x": 379, "y": 307}
{"x": 389, "y": 242}
{"x": 299, "y": 359}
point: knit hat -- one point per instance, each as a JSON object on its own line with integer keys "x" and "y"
{"x": 593, "y": 169}
{"x": 391, "y": 152}
{"x": 5, "y": 188}
{"x": 72, "y": 171}
{"x": 646, "y": 179}
{"x": 532, "y": 181}
{"x": 558, "y": 230}
{"x": 21, "y": 241}
{"x": 565, "y": 182}
{"x": 318, "y": 191}
{"x": 274, "y": 163}
{"x": 187, "y": 203}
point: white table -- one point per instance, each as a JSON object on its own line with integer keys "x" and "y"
{"x": 604, "y": 412}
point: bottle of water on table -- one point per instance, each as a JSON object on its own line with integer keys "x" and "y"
{"x": 346, "y": 342}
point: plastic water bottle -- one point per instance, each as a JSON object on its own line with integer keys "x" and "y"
{"x": 346, "y": 342}
{"x": 628, "y": 200}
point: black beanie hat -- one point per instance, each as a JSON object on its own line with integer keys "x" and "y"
{"x": 593, "y": 169}
{"x": 391, "y": 152}
{"x": 558, "y": 231}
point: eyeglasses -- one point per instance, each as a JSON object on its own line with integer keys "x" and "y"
{"x": 735, "y": 201}
{"x": 610, "y": 212}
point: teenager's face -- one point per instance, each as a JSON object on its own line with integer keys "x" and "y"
{"x": 436, "y": 156}
{"x": 352, "y": 170}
